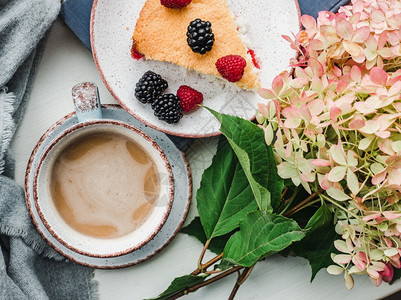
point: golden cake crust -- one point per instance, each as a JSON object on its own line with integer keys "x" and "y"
{"x": 160, "y": 34}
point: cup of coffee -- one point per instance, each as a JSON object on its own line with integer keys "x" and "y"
{"x": 102, "y": 188}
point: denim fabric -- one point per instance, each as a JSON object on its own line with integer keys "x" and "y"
{"x": 312, "y": 7}
{"x": 76, "y": 14}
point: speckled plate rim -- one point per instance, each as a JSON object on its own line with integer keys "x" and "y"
{"x": 180, "y": 209}
{"x": 122, "y": 104}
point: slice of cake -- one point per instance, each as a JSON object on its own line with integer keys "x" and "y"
{"x": 161, "y": 34}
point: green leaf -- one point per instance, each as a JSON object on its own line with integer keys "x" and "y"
{"x": 255, "y": 157}
{"x": 180, "y": 284}
{"x": 317, "y": 246}
{"x": 224, "y": 197}
{"x": 195, "y": 229}
{"x": 261, "y": 234}
{"x": 322, "y": 217}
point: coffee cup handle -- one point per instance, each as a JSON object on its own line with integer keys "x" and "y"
{"x": 85, "y": 96}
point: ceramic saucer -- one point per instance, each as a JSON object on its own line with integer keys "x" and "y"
{"x": 178, "y": 213}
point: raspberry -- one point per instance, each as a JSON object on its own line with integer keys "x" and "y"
{"x": 189, "y": 98}
{"x": 167, "y": 108}
{"x": 200, "y": 37}
{"x": 150, "y": 87}
{"x": 231, "y": 67}
{"x": 175, "y": 3}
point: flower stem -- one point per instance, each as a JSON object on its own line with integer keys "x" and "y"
{"x": 207, "y": 282}
{"x": 339, "y": 206}
{"x": 203, "y": 253}
{"x": 301, "y": 204}
{"x": 289, "y": 201}
{"x": 204, "y": 266}
{"x": 241, "y": 278}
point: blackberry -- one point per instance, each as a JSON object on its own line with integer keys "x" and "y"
{"x": 167, "y": 108}
{"x": 150, "y": 87}
{"x": 200, "y": 36}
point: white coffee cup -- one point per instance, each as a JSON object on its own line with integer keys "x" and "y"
{"x": 88, "y": 111}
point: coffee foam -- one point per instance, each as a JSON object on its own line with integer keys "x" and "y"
{"x": 104, "y": 186}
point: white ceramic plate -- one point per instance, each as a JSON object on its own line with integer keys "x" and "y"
{"x": 178, "y": 213}
{"x": 113, "y": 23}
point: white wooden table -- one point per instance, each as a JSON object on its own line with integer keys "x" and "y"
{"x": 66, "y": 62}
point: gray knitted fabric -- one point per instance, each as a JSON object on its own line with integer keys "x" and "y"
{"x": 29, "y": 268}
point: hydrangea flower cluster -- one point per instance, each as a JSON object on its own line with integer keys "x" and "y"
{"x": 335, "y": 125}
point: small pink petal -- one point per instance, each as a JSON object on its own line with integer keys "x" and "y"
{"x": 356, "y": 73}
{"x": 394, "y": 177}
{"x": 393, "y": 37}
{"x": 361, "y": 34}
{"x": 298, "y": 83}
{"x": 336, "y": 71}
{"x": 383, "y": 134}
{"x": 305, "y": 178}
{"x": 386, "y": 146}
{"x": 379, "y": 177}
{"x": 386, "y": 120}
{"x": 377, "y": 281}
{"x": 291, "y": 112}
{"x": 386, "y": 271}
{"x": 382, "y": 40}
{"x": 287, "y": 38}
{"x": 386, "y": 53}
{"x": 263, "y": 110}
{"x": 334, "y": 113}
{"x": 354, "y": 18}
{"x": 356, "y": 124}
{"x": 308, "y": 22}
{"x": 325, "y": 183}
{"x": 344, "y": 28}
{"x": 342, "y": 259}
{"x": 371, "y": 43}
{"x": 372, "y": 216}
{"x": 316, "y": 45}
{"x": 377, "y": 16}
{"x": 269, "y": 135}
{"x": 360, "y": 260}
{"x": 391, "y": 215}
{"x": 341, "y": 86}
{"x": 378, "y": 76}
{"x": 394, "y": 161}
{"x": 316, "y": 67}
{"x": 301, "y": 73}
{"x": 305, "y": 112}
{"x": 267, "y": 94}
{"x": 388, "y": 242}
{"x": 371, "y": 126}
{"x": 359, "y": 58}
{"x": 388, "y": 274}
{"x": 373, "y": 273}
{"x": 395, "y": 21}
{"x": 353, "y": 48}
{"x": 318, "y": 162}
{"x": 395, "y": 261}
{"x": 349, "y": 281}
{"x": 357, "y": 7}
{"x": 277, "y": 84}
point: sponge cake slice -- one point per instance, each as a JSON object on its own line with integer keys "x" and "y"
{"x": 160, "y": 34}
